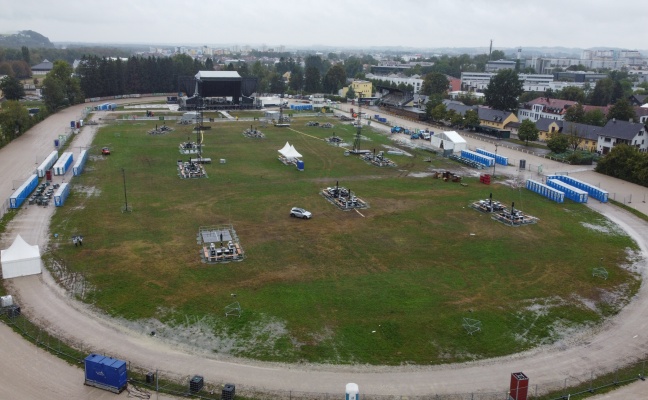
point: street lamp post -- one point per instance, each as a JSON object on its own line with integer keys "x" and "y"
{"x": 495, "y": 163}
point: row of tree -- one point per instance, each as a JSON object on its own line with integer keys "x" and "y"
{"x": 627, "y": 163}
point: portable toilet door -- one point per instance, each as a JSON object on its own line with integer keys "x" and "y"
{"x": 48, "y": 175}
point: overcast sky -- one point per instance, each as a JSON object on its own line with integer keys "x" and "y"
{"x": 348, "y": 23}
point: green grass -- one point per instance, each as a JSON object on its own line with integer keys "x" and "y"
{"x": 391, "y": 287}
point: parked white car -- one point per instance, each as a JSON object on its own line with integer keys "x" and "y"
{"x": 297, "y": 212}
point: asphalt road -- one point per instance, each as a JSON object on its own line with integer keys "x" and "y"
{"x": 623, "y": 338}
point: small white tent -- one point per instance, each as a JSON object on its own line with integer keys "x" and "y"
{"x": 20, "y": 259}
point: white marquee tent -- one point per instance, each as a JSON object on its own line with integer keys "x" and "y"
{"x": 449, "y": 140}
{"x": 289, "y": 152}
{"x": 20, "y": 259}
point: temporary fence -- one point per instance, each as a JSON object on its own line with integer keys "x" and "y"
{"x": 147, "y": 379}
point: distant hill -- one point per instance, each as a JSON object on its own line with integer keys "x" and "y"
{"x": 25, "y": 38}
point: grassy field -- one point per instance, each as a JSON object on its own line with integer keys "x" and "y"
{"x": 389, "y": 287}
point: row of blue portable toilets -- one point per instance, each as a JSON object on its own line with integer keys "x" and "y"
{"x": 51, "y": 165}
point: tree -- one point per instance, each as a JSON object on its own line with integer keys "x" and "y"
{"x": 621, "y": 162}
{"x": 439, "y": 112}
{"x": 12, "y": 88}
{"x": 25, "y": 54}
{"x": 622, "y": 110}
{"x": 455, "y": 119}
{"x": 572, "y": 93}
{"x": 528, "y": 131}
{"x": 575, "y": 113}
{"x": 503, "y": 91}
{"x": 594, "y": 117}
{"x": 312, "y": 80}
{"x": 557, "y": 143}
{"x": 434, "y": 83}
{"x": 352, "y": 66}
{"x": 351, "y": 94}
{"x": 14, "y": 119}
{"x": 54, "y": 94}
{"x": 297, "y": 80}
{"x": 497, "y": 55}
{"x": 574, "y": 137}
{"x": 471, "y": 119}
{"x": 277, "y": 84}
{"x": 334, "y": 79}
{"x": 209, "y": 64}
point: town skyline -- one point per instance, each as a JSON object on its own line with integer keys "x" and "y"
{"x": 414, "y": 24}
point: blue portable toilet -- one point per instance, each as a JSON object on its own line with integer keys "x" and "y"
{"x": 300, "y": 165}
{"x": 56, "y": 143}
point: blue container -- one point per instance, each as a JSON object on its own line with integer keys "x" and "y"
{"x": 72, "y": 124}
{"x": 61, "y": 194}
{"x": 56, "y": 143}
{"x": 20, "y": 194}
{"x": 300, "y": 165}
{"x": 106, "y": 373}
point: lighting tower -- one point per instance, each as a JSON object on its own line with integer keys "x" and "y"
{"x": 356, "y": 143}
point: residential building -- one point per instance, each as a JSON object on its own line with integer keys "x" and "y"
{"x": 622, "y": 132}
{"x": 42, "y": 68}
{"x": 543, "y": 107}
{"x": 638, "y": 99}
{"x": 495, "y": 118}
{"x": 547, "y": 127}
{"x": 361, "y": 89}
{"x": 458, "y": 107}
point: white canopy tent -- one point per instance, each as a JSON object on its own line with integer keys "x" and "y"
{"x": 289, "y": 152}
{"x": 20, "y": 259}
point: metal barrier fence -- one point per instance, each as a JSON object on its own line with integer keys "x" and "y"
{"x": 167, "y": 382}
{"x": 4, "y": 208}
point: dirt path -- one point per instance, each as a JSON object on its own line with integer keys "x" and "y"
{"x": 620, "y": 340}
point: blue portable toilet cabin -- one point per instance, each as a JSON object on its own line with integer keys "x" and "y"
{"x": 78, "y": 166}
{"x": 47, "y": 164}
{"x": 19, "y": 196}
{"x": 300, "y": 165}
{"x": 63, "y": 163}
{"x": 61, "y": 194}
{"x": 106, "y": 373}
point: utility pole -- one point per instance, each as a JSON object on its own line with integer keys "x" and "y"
{"x": 495, "y": 163}
{"x": 125, "y": 198}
